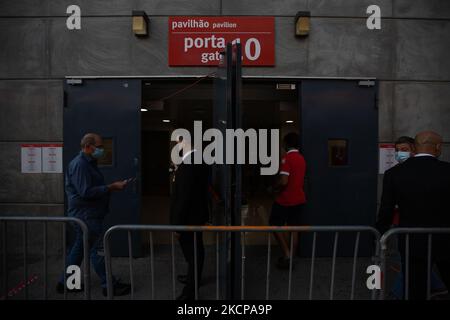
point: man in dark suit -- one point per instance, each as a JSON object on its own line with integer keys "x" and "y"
{"x": 420, "y": 187}
{"x": 189, "y": 206}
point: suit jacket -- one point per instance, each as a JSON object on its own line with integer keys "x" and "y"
{"x": 421, "y": 188}
{"x": 189, "y": 198}
{"x": 387, "y": 200}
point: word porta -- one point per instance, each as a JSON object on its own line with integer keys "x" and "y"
{"x": 235, "y": 153}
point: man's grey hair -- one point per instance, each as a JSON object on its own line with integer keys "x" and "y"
{"x": 88, "y": 140}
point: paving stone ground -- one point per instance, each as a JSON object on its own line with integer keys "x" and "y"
{"x": 255, "y": 276}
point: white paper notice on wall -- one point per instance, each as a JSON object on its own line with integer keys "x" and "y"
{"x": 52, "y": 158}
{"x": 387, "y": 157}
{"x": 31, "y": 158}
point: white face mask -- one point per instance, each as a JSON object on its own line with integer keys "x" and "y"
{"x": 402, "y": 156}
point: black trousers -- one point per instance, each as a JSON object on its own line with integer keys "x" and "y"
{"x": 418, "y": 264}
{"x": 187, "y": 246}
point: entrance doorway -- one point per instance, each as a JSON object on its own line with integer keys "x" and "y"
{"x": 337, "y": 121}
{"x": 166, "y": 106}
{"x": 265, "y": 105}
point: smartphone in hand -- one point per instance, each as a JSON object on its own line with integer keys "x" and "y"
{"x": 130, "y": 180}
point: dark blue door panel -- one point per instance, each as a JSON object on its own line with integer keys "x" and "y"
{"x": 339, "y": 137}
{"x": 111, "y": 108}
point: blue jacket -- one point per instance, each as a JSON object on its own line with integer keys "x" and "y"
{"x": 87, "y": 194}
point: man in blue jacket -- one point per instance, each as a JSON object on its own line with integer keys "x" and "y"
{"x": 88, "y": 200}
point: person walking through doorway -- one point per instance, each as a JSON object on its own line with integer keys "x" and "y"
{"x": 288, "y": 205}
{"x": 189, "y": 206}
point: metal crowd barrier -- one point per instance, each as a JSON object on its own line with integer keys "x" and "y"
{"x": 408, "y": 231}
{"x": 45, "y": 221}
{"x": 240, "y": 229}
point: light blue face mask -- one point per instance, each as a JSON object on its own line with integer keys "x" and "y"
{"x": 402, "y": 156}
{"x": 98, "y": 153}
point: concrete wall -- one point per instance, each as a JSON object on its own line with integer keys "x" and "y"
{"x": 408, "y": 55}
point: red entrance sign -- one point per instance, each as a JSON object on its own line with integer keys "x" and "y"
{"x": 198, "y": 41}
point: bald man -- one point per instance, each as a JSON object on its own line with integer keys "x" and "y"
{"x": 421, "y": 189}
{"x": 88, "y": 200}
